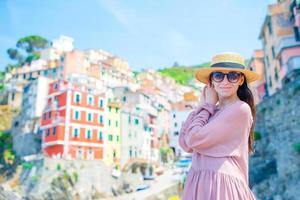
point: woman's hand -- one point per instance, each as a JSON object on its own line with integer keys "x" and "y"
{"x": 210, "y": 95}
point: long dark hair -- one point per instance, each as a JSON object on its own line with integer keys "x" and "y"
{"x": 245, "y": 94}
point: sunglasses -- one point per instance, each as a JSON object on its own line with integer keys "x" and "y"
{"x": 232, "y": 77}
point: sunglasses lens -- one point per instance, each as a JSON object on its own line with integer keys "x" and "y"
{"x": 233, "y": 77}
{"x": 218, "y": 76}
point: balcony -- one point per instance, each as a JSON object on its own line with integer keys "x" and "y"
{"x": 286, "y": 42}
{"x": 293, "y": 63}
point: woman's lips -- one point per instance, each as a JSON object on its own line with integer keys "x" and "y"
{"x": 225, "y": 88}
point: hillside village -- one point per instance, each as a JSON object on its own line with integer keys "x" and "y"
{"x": 78, "y": 124}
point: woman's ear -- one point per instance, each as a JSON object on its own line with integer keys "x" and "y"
{"x": 242, "y": 80}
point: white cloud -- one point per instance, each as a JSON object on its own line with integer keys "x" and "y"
{"x": 125, "y": 16}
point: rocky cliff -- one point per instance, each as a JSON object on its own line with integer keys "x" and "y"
{"x": 275, "y": 166}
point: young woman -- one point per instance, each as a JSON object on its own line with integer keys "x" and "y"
{"x": 219, "y": 132}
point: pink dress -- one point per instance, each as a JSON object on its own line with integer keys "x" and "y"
{"x": 218, "y": 141}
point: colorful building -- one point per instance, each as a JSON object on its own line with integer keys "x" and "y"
{"x": 256, "y": 64}
{"x": 73, "y": 120}
{"x": 288, "y": 49}
{"x": 277, "y": 26}
{"x": 295, "y": 17}
{"x": 113, "y": 126}
{"x": 136, "y": 136}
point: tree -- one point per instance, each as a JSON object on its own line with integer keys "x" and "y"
{"x": 32, "y": 43}
{"x": 30, "y": 46}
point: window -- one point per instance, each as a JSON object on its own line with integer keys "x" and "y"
{"x": 49, "y": 115}
{"x": 129, "y": 134}
{"x": 273, "y": 52}
{"x": 101, "y": 103}
{"x": 45, "y": 116}
{"x": 48, "y": 131}
{"x": 276, "y": 74}
{"x": 267, "y": 61}
{"x": 124, "y": 98}
{"x": 77, "y": 98}
{"x": 175, "y": 124}
{"x": 117, "y": 109}
{"x": 136, "y": 121}
{"x": 270, "y": 27}
{"x": 79, "y": 153}
{"x": 110, "y": 137}
{"x": 297, "y": 33}
{"x": 129, "y": 119}
{"x": 174, "y": 116}
{"x": 116, "y": 123}
{"x": 75, "y": 132}
{"x": 90, "y": 100}
{"x": 109, "y": 122}
{"x": 76, "y": 115}
{"x": 117, "y": 138}
{"x": 88, "y": 133}
{"x": 109, "y": 108}
{"x": 100, "y": 135}
{"x": 130, "y": 152}
{"x": 54, "y": 131}
{"x": 100, "y": 119}
{"x": 176, "y": 133}
{"x": 13, "y": 96}
{"x": 89, "y": 117}
{"x": 55, "y": 86}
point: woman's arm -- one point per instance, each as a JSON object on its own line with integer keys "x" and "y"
{"x": 185, "y": 125}
{"x": 222, "y": 135}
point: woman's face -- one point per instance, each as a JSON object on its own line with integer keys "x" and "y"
{"x": 230, "y": 83}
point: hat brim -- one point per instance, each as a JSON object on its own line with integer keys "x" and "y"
{"x": 202, "y": 74}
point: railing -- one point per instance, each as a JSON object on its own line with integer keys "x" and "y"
{"x": 286, "y": 42}
{"x": 293, "y": 63}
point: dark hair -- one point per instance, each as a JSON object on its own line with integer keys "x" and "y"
{"x": 245, "y": 94}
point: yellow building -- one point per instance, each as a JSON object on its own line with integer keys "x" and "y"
{"x": 112, "y": 141}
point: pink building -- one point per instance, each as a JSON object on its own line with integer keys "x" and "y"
{"x": 288, "y": 48}
{"x": 257, "y": 64}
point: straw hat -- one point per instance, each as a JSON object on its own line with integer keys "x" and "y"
{"x": 226, "y": 61}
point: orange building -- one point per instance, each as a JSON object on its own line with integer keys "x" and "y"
{"x": 73, "y": 121}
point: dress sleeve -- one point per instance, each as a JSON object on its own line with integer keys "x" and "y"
{"x": 222, "y": 135}
{"x": 185, "y": 125}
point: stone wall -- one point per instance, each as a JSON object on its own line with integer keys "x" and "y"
{"x": 275, "y": 166}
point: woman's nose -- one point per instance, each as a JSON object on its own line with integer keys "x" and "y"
{"x": 225, "y": 80}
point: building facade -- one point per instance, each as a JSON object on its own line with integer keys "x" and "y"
{"x": 73, "y": 121}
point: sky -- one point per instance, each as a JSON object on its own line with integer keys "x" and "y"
{"x": 147, "y": 33}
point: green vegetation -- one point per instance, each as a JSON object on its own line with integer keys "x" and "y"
{"x": 27, "y": 49}
{"x": 257, "y": 136}
{"x": 75, "y": 176}
{"x": 66, "y": 175}
{"x": 58, "y": 167}
{"x": 7, "y": 155}
{"x": 2, "y": 75}
{"x": 27, "y": 165}
{"x": 35, "y": 178}
{"x": 182, "y": 74}
{"x": 296, "y": 147}
{"x": 165, "y": 153}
